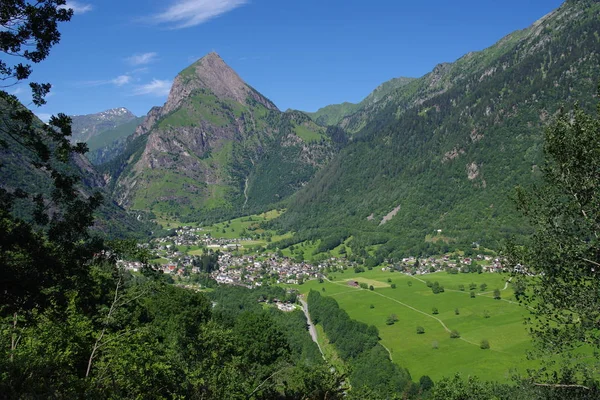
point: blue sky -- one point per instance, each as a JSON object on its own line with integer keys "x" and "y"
{"x": 302, "y": 54}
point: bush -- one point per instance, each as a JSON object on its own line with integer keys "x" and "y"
{"x": 484, "y": 344}
{"x": 486, "y": 314}
{"x": 461, "y": 288}
{"x": 483, "y": 287}
{"x": 420, "y": 330}
{"x": 456, "y": 311}
{"x": 371, "y": 306}
{"x": 363, "y": 285}
{"x": 391, "y": 319}
{"x": 371, "y": 287}
{"x": 426, "y": 383}
{"x": 434, "y": 311}
{"x": 393, "y": 286}
{"x": 454, "y": 334}
{"x": 497, "y": 295}
{"x": 472, "y": 293}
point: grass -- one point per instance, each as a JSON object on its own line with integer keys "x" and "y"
{"x": 306, "y": 134}
{"x": 413, "y": 305}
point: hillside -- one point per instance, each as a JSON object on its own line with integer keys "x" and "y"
{"x": 333, "y": 114}
{"x": 216, "y": 148}
{"x": 89, "y": 126}
{"x": 433, "y": 168}
{"x": 17, "y": 171}
{"x": 108, "y": 144}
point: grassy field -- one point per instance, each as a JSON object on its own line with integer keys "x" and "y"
{"x": 434, "y": 353}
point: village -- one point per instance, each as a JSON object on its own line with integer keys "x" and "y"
{"x": 237, "y": 263}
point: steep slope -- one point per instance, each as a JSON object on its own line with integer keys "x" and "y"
{"x": 17, "y": 171}
{"x": 218, "y": 146}
{"x": 86, "y": 127}
{"x": 335, "y": 113}
{"x": 434, "y": 168}
{"x": 107, "y": 144}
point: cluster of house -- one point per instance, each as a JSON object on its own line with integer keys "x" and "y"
{"x": 253, "y": 271}
{"x": 416, "y": 266}
{"x": 257, "y": 270}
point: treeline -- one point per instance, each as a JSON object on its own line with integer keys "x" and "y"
{"x": 373, "y": 375}
{"x": 129, "y": 336}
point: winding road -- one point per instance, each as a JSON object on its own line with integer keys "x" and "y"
{"x": 311, "y": 327}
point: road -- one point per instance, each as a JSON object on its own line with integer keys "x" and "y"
{"x": 311, "y": 327}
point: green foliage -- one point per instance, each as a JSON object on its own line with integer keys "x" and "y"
{"x": 452, "y": 167}
{"x": 420, "y": 330}
{"x": 484, "y": 345}
{"x": 357, "y": 344}
{"x": 435, "y": 311}
{"x": 564, "y": 252}
{"x": 391, "y": 319}
{"x": 497, "y": 294}
{"x": 454, "y": 334}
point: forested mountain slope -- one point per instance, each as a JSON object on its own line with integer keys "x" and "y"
{"x": 435, "y": 167}
{"x": 17, "y": 170}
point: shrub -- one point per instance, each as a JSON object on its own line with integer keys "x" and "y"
{"x": 434, "y": 311}
{"x": 472, "y": 293}
{"x": 456, "y": 311}
{"x": 484, "y": 345}
{"x": 454, "y": 334}
{"x": 420, "y": 330}
{"x": 393, "y": 286}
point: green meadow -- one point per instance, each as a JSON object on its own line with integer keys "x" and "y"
{"x": 434, "y": 353}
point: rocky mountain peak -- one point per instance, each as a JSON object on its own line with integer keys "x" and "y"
{"x": 213, "y": 74}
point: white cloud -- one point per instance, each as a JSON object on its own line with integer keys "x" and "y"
{"x": 188, "y": 13}
{"x": 141, "y": 59}
{"x": 78, "y": 8}
{"x": 121, "y": 80}
{"x": 118, "y": 81}
{"x": 155, "y": 88}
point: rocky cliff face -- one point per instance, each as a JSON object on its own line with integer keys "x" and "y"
{"x": 212, "y": 144}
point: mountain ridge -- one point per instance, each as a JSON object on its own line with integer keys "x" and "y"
{"x": 203, "y": 149}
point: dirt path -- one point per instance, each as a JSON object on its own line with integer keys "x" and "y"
{"x": 311, "y": 327}
{"x": 414, "y": 309}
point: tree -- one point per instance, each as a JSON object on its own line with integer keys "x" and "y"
{"x": 434, "y": 311}
{"x": 371, "y": 287}
{"x": 48, "y": 246}
{"x": 454, "y": 334}
{"x": 393, "y": 286}
{"x": 461, "y": 287}
{"x": 420, "y": 330}
{"x": 425, "y": 383}
{"x": 564, "y": 251}
{"x": 456, "y": 311}
{"x": 472, "y": 294}
{"x": 497, "y": 295}
{"x": 484, "y": 345}
{"x": 483, "y": 287}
